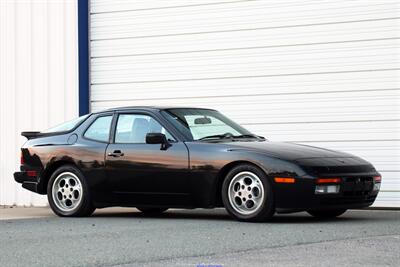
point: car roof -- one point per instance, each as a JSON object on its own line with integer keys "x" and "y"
{"x": 150, "y": 108}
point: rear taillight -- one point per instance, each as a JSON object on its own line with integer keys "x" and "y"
{"x": 22, "y": 161}
{"x": 31, "y": 173}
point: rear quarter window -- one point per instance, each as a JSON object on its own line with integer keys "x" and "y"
{"x": 99, "y": 130}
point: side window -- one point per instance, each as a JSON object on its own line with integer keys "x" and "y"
{"x": 132, "y": 128}
{"x": 99, "y": 130}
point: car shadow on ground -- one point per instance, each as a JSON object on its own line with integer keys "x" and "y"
{"x": 221, "y": 215}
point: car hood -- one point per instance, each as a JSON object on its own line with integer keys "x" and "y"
{"x": 289, "y": 151}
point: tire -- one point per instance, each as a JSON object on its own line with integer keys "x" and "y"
{"x": 326, "y": 214}
{"x": 247, "y": 194}
{"x": 146, "y": 210}
{"x": 68, "y": 193}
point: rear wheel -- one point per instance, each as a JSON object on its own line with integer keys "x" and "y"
{"x": 247, "y": 194}
{"x": 68, "y": 193}
{"x": 326, "y": 214}
{"x": 152, "y": 210}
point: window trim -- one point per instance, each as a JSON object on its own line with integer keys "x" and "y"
{"x": 114, "y": 133}
{"x": 93, "y": 121}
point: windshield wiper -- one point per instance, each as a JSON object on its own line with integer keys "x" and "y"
{"x": 249, "y": 136}
{"x": 231, "y": 136}
{"x": 217, "y": 136}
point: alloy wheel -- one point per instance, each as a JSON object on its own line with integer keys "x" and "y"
{"x": 246, "y": 193}
{"x": 67, "y": 191}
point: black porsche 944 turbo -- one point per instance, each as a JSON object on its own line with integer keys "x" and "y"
{"x": 155, "y": 158}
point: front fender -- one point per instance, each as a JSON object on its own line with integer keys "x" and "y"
{"x": 209, "y": 163}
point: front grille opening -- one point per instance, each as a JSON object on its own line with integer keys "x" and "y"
{"x": 356, "y": 193}
{"x": 357, "y": 186}
{"x": 348, "y": 200}
{"x": 358, "y": 179}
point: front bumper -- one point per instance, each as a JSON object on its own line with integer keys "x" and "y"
{"x": 355, "y": 192}
{"x": 28, "y": 182}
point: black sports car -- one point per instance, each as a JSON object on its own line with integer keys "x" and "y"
{"x": 156, "y": 158}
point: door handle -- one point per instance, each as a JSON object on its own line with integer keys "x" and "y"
{"x": 116, "y": 154}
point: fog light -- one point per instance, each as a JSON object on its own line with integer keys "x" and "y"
{"x": 377, "y": 183}
{"x": 327, "y": 189}
{"x": 377, "y": 186}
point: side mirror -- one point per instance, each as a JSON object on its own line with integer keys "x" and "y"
{"x": 157, "y": 138}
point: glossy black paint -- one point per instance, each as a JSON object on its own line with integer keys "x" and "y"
{"x": 189, "y": 174}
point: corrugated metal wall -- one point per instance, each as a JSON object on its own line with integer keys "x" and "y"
{"x": 324, "y": 73}
{"x": 38, "y": 80}
{"x": 318, "y": 72}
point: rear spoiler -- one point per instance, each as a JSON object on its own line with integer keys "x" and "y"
{"x": 32, "y": 135}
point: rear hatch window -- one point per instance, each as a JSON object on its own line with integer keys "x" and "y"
{"x": 66, "y": 126}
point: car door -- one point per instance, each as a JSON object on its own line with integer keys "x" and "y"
{"x": 146, "y": 173}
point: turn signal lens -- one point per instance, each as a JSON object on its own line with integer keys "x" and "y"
{"x": 377, "y": 179}
{"x": 328, "y": 181}
{"x": 284, "y": 180}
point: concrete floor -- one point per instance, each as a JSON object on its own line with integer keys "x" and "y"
{"x": 125, "y": 237}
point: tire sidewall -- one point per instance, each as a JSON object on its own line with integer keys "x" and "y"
{"x": 79, "y": 210}
{"x": 267, "y": 208}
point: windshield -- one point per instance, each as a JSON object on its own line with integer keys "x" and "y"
{"x": 200, "y": 124}
{"x": 66, "y": 126}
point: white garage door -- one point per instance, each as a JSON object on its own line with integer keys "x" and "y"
{"x": 324, "y": 73}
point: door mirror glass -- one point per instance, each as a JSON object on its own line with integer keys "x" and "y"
{"x": 156, "y": 138}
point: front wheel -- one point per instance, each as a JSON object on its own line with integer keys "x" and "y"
{"x": 247, "y": 194}
{"x": 68, "y": 193}
{"x": 326, "y": 214}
